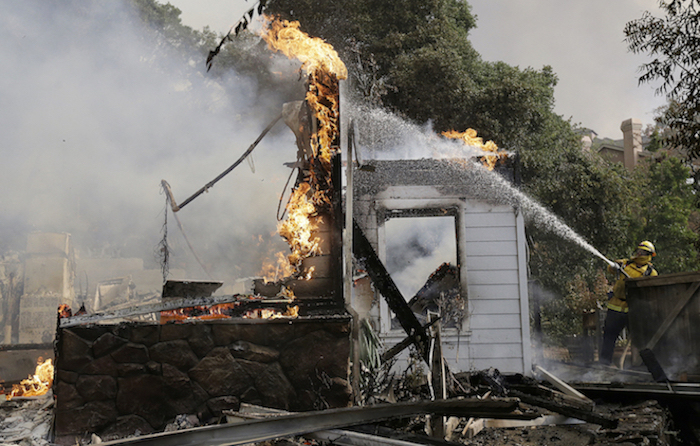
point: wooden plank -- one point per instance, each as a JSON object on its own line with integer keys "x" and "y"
{"x": 495, "y": 263}
{"x": 662, "y": 280}
{"x": 565, "y": 409}
{"x": 494, "y": 306}
{"x": 685, "y": 298}
{"x": 561, "y": 385}
{"x": 503, "y": 277}
{"x": 494, "y": 234}
{"x": 497, "y": 248}
{"x": 384, "y": 283}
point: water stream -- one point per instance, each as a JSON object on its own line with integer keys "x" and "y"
{"x": 384, "y": 135}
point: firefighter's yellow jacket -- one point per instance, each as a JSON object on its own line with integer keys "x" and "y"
{"x": 637, "y": 267}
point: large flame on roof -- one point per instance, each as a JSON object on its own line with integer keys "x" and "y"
{"x": 490, "y": 149}
{"x": 37, "y": 384}
{"x": 315, "y": 54}
{"x": 324, "y": 69}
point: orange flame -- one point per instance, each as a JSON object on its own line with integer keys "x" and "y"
{"x": 267, "y": 313}
{"x": 314, "y": 53}
{"x": 469, "y": 138}
{"x": 321, "y": 62}
{"x": 324, "y": 68}
{"x": 37, "y": 384}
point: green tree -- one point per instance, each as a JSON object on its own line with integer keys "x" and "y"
{"x": 673, "y": 41}
{"x": 667, "y": 204}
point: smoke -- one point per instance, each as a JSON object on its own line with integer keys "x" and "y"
{"x": 416, "y": 247}
{"x": 96, "y": 110}
{"x": 386, "y": 136}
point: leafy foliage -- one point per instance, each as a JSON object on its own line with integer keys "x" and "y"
{"x": 668, "y": 201}
{"x": 673, "y": 42}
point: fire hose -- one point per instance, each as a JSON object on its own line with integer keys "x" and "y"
{"x": 618, "y": 267}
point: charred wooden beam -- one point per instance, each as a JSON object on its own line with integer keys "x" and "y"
{"x": 302, "y": 423}
{"x": 172, "y": 304}
{"x": 337, "y": 228}
{"x": 405, "y": 342}
{"x": 566, "y": 409}
{"x": 382, "y": 280}
{"x": 637, "y": 391}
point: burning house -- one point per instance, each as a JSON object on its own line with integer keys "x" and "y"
{"x": 144, "y": 355}
{"x": 489, "y": 279}
{"x": 287, "y": 344}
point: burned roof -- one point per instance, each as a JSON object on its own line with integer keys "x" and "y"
{"x": 449, "y": 176}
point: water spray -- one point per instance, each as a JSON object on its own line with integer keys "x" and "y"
{"x": 398, "y": 139}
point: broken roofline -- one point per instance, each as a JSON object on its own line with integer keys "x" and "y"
{"x": 172, "y": 304}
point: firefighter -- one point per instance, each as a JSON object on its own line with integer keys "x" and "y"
{"x": 617, "y": 315}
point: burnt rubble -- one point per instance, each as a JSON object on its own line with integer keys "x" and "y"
{"x": 481, "y": 407}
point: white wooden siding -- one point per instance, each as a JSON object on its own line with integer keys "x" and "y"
{"x": 496, "y": 338}
{"x": 486, "y": 321}
{"x": 495, "y": 307}
{"x": 493, "y": 241}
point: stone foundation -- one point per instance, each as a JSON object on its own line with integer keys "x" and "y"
{"x": 116, "y": 380}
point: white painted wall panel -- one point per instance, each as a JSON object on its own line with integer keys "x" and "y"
{"x": 485, "y": 248}
{"x": 494, "y": 335}
{"x": 474, "y": 206}
{"x": 491, "y": 322}
{"x": 485, "y": 263}
{"x": 502, "y": 364}
{"x": 490, "y": 219}
{"x": 495, "y": 350}
{"x": 499, "y": 291}
{"x": 492, "y": 233}
{"x": 503, "y": 277}
{"x": 494, "y": 306}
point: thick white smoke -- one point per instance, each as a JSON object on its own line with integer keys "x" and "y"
{"x": 96, "y": 111}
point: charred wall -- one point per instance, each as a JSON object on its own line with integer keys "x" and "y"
{"x": 115, "y": 379}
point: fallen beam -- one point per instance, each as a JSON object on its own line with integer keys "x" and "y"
{"x": 172, "y": 304}
{"x": 303, "y": 423}
{"x": 383, "y": 282}
{"x": 562, "y": 386}
{"x": 405, "y": 342}
{"x": 566, "y": 409}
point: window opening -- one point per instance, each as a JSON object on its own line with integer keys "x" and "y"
{"x": 421, "y": 256}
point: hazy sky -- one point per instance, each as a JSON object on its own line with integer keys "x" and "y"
{"x": 583, "y": 41}
{"x": 94, "y": 117}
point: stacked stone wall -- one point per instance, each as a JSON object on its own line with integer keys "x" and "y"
{"x": 125, "y": 379}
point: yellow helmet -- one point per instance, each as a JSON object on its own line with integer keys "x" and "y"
{"x": 647, "y": 246}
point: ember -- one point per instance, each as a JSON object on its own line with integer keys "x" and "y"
{"x": 37, "y": 384}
